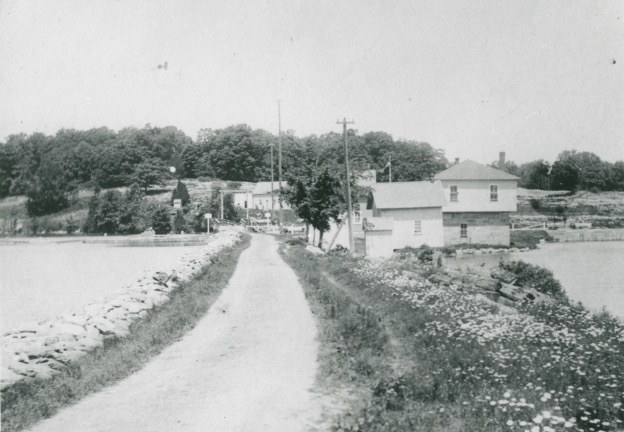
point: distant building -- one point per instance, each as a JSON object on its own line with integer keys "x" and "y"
{"x": 262, "y": 196}
{"x": 258, "y": 197}
{"x": 478, "y": 200}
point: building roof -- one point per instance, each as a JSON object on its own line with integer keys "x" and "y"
{"x": 408, "y": 195}
{"x": 262, "y": 188}
{"x": 470, "y": 170}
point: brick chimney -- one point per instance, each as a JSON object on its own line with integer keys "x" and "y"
{"x": 501, "y": 161}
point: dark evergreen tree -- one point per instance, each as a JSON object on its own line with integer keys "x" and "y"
{"x": 181, "y": 192}
{"x": 161, "y": 220}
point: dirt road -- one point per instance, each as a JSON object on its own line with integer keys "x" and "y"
{"x": 247, "y": 366}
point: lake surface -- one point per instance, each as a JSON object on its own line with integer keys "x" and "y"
{"x": 46, "y": 278}
{"x": 590, "y": 272}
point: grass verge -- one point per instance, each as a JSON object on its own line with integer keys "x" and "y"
{"x": 432, "y": 358}
{"x": 28, "y": 402}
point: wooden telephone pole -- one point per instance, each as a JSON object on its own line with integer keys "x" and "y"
{"x": 348, "y": 183}
{"x": 279, "y": 161}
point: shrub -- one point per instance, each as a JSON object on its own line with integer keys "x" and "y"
{"x": 536, "y": 204}
{"x": 161, "y": 222}
{"x": 537, "y": 277}
{"x": 71, "y": 225}
{"x": 179, "y": 223}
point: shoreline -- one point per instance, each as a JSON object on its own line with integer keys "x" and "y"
{"x": 41, "y": 349}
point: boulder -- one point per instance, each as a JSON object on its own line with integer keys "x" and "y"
{"x": 513, "y": 293}
{"x": 537, "y": 297}
{"x": 487, "y": 284}
{"x": 103, "y": 325}
{"x": 503, "y": 275}
{"x": 412, "y": 275}
{"x": 440, "y": 279}
{"x": 161, "y": 277}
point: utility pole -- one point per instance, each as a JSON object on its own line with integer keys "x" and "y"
{"x": 221, "y": 202}
{"x": 346, "y": 156}
{"x": 272, "y": 180}
{"x": 390, "y": 166}
{"x": 279, "y": 163}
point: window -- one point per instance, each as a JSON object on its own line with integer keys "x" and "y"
{"x": 454, "y": 193}
{"x": 417, "y": 227}
{"x": 463, "y": 231}
{"x": 493, "y": 192}
{"x": 357, "y": 218}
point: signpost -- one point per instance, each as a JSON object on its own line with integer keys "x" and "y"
{"x": 208, "y": 217}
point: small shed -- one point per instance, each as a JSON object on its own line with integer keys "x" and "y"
{"x": 415, "y": 209}
{"x": 378, "y": 236}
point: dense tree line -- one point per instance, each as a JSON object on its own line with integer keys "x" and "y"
{"x": 571, "y": 171}
{"x": 48, "y": 168}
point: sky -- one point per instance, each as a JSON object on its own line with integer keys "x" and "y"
{"x": 531, "y": 78}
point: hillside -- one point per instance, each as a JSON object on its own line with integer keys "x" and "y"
{"x": 13, "y": 209}
{"x": 602, "y": 209}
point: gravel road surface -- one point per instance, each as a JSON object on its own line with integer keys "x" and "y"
{"x": 248, "y": 365}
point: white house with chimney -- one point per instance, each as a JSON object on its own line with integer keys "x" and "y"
{"x": 478, "y": 201}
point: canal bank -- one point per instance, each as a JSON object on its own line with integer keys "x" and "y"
{"x": 587, "y": 235}
{"x": 590, "y": 272}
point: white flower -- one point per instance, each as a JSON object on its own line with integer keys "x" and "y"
{"x": 538, "y": 419}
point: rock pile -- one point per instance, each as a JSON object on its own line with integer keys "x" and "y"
{"x": 495, "y": 284}
{"x": 41, "y": 349}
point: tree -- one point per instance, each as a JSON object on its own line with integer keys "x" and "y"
{"x": 181, "y": 192}
{"x": 214, "y": 204}
{"x": 318, "y": 196}
{"x": 616, "y": 176}
{"x": 564, "y": 176}
{"x": 132, "y": 219}
{"x": 48, "y": 192}
{"x": 535, "y": 175}
{"x": 148, "y": 173}
{"x": 161, "y": 221}
{"x": 179, "y": 223}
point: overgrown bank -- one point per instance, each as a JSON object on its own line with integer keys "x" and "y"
{"x": 27, "y": 402}
{"x": 435, "y": 358}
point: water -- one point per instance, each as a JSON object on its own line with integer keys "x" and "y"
{"x": 41, "y": 279}
{"x": 590, "y": 272}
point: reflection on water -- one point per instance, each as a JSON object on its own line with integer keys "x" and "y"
{"x": 590, "y": 272}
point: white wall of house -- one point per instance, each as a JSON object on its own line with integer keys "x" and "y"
{"x": 240, "y": 198}
{"x": 379, "y": 243}
{"x": 263, "y": 202}
{"x": 406, "y": 222}
{"x": 474, "y": 196}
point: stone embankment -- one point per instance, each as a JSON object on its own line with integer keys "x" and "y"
{"x": 494, "y": 284}
{"x": 42, "y": 349}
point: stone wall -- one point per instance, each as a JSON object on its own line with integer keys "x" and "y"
{"x": 484, "y": 228}
{"x": 583, "y": 235}
{"x": 41, "y": 349}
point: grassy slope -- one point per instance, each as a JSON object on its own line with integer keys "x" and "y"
{"x": 28, "y": 402}
{"x": 429, "y": 358}
{"x": 199, "y": 190}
